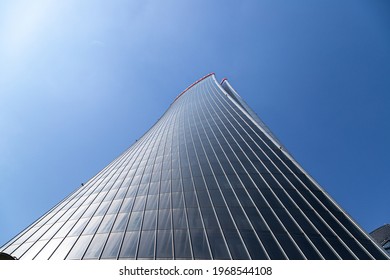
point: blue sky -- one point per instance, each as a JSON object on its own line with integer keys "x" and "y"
{"x": 80, "y": 81}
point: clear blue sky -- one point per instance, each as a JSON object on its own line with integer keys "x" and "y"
{"x": 81, "y": 80}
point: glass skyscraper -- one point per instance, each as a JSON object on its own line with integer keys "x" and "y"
{"x": 207, "y": 181}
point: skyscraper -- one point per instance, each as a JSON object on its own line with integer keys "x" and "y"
{"x": 207, "y": 181}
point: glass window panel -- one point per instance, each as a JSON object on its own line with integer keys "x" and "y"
{"x": 150, "y": 220}
{"x": 190, "y": 198}
{"x": 132, "y": 191}
{"x": 224, "y": 218}
{"x": 79, "y": 248}
{"x": 106, "y": 224}
{"x": 306, "y": 247}
{"x": 126, "y": 206}
{"x": 91, "y": 210}
{"x": 78, "y": 227}
{"x": 176, "y": 185}
{"x": 209, "y": 219}
{"x": 32, "y": 251}
{"x": 343, "y": 252}
{"x": 63, "y": 249}
{"x": 114, "y": 207}
{"x": 146, "y": 245}
{"x": 120, "y": 223}
{"x": 96, "y": 246}
{"x": 110, "y": 195}
{"x": 164, "y": 244}
{"x": 139, "y": 203}
{"x": 165, "y": 201}
{"x": 92, "y": 225}
{"x": 22, "y": 249}
{"x": 143, "y": 189}
{"x": 179, "y": 219}
{"x": 236, "y": 246}
{"x": 111, "y": 250}
{"x": 194, "y": 218}
{"x": 121, "y": 193}
{"x": 217, "y": 244}
{"x": 177, "y": 200}
{"x": 76, "y": 214}
{"x": 200, "y": 244}
{"x": 50, "y": 233}
{"x": 324, "y": 248}
{"x": 289, "y": 247}
{"x": 182, "y": 245}
{"x": 129, "y": 246}
{"x": 217, "y": 198}
{"x": 165, "y": 187}
{"x": 152, "y": 202}
{"x": 164, "y": 219}
{"x": 48, "y": 249}
{"x": 273, "y": 249}
{"x": 102, "y": 208}
{"x": 135, "y": 221}
{"x": 240, "y": 218}
{"x": 65, "y": 229}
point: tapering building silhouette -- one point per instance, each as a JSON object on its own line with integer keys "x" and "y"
{"x": 207, "y": 181}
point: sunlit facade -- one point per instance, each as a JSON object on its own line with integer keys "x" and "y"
{"x": 207, "y": 181}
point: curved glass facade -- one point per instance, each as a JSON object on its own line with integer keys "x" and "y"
{"x": 207, "y": 181}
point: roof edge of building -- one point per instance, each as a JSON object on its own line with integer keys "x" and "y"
{"x": 193, "y": 84}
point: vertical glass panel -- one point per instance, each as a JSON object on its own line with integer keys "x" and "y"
{"x": 177, "y": 200}
{"x": 96, "y": 246}
{"x": 34, "y": 250}
{"x": 106, "y": 224}
{"x": 135, "y": 221}
{"x": 78, "y": 227}
{"x": 224, "y": 218}
{"x": 289, "y": 247}
{"x": 126, "y": 206}
{"x": 129, "y": 246}
{"x": 50, "y": 247}
{"x": 236, "y": 246}
{"x": 165, "y": 201}
{"x": 165, "y": 187}
{"x": 164, "y": 244}
{"x": 194, "y": 219}
{"x": 182, "y": 245}
{"x": 273, "y": 249}
{"x": 179, "y": 219}
{"x": 50, "y": 233}
{"x": 204, "y": 200}
{"x": 164, "y": 219}
{"x": 111, "y": 250}
{"x": 114, "y": 207}
{"x": 102, "y": 208}
{"x": 65, "y": 229}
{"x": 209, "y": 219}
{"x": 22, "y": 249}
{"x": 63, "y": 249}
{"x": 150, "y": 220}
{"x": 146, "y": 245}
{"x": 139, "y": 203}
{"x": 120, "y": 222}
{"x": 200, "y": 245}
{"x": 92, "y": 225}
{"x": 152, "y": 202}
{"x": 190, "y": 199}
{"x": 90, "y": 210}
{"x": 217, "y": 244}
{"x": 80, "y": 247}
